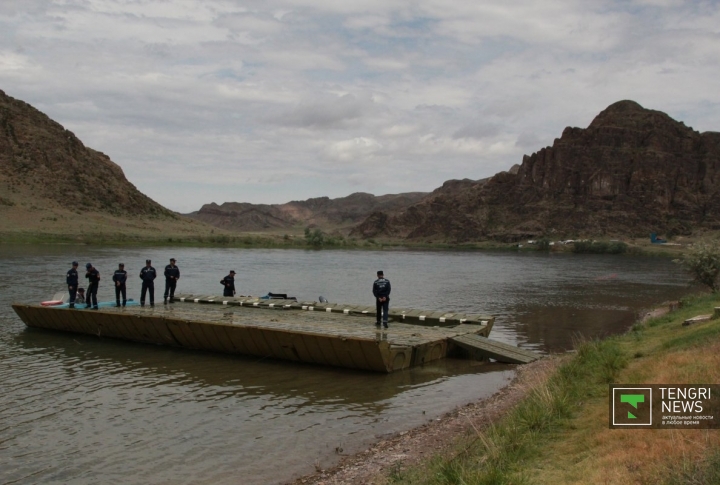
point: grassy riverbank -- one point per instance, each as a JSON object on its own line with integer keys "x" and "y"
{"x": 559, "y": 433}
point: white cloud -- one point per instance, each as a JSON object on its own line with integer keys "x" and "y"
{"x": 12, "y": 62}
{"x": 381, "y": 64}
{"x": 219, "y": 97}
{"x": 399, "y": 130}
{"x": 357, "y": 150}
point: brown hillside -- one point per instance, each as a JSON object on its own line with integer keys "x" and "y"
{"x": 631, "y": 172}
{"x": 40, "y": 155}
{"x": 51, "y": 183}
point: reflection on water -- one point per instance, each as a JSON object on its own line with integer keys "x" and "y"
{"x": 78, "y": 409}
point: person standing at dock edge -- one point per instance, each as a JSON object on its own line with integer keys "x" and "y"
{"x": 72, "y": 281}
{"x": 172, "y": 274}
{"x": 93, "y": 276}
{"x": 229, "y": 283}
{"x": 148, "y": 275}
{"x": 120, "y": 278}
{"x": 381, "y": 290}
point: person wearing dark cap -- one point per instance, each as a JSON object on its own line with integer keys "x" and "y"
{"x": 381, "y": 290}
{"x": 120, "y": 278}
{"x": 93, "y": 277}
{"x": 172, "y": 274}
{"x": 148, "y": 275}
{"x": 229, "y": 284}
{"x": 72, "y": 281}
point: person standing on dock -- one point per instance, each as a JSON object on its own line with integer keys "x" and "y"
{"x": 120, "y": 278}
{"x": 172, "y": 274}
{"x": 148, "y": 275}
{"x": 381, "y": 290}
{"x": 93, "y": 276}
{"x": 72, "y": 281}
{"x": 229, "y": 283}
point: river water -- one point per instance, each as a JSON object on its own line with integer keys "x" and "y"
{"x": 82, "y": 410}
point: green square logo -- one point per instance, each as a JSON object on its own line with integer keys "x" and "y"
{"x": 632, "y": 406}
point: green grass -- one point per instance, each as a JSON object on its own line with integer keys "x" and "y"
{"x": 514, "y": 449}
{"x": 497, "y": 455}
{"x": 693, "y": 339}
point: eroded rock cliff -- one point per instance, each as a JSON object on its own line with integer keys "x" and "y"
{"x": 632, "y": 171}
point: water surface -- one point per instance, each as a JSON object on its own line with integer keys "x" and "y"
{"x": 82, "y": 410}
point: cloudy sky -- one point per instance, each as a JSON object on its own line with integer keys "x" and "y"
{"x": 278, "y": 100}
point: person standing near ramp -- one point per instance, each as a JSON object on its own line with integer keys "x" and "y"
{"x": 381, "y": 290}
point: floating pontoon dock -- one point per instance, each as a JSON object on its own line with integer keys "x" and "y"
{"x": 321, "y": 333}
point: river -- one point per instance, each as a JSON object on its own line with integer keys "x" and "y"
{"x": 83, "y": 410}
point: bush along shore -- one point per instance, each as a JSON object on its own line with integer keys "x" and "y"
{"x": 559, "y": 433}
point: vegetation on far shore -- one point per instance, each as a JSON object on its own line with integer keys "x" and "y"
{"x": 318, "y": 239}
{"x": 559, "y": 433}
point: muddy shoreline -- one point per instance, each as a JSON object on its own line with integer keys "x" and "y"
{"x": 439, "y": 436}
{"x": 407, "y": 448}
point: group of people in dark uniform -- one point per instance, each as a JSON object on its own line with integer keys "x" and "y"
{"x": 147, "y": 275}
{"x": 381, "y": 287}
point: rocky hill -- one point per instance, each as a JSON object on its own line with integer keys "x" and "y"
{"x": 322, "y": 212}
{"x": 41, "y": 155}
{"x": 632, "y": 171}
{"x": 50, "y": 181}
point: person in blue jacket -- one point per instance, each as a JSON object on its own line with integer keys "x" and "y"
{"x": 381, "y": 290}
{"x": 93, "y": 277}
{"x": 148, "y": 275}
{"x": 120, "y": 279}
{"x": 72, "y": 281}
{"x": 172, "y": 274}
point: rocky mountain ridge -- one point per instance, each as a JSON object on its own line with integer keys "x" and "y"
{"x": 632, "y": 171}
{"x": 321, "y": 212}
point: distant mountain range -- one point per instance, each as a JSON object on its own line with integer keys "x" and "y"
{"x": 632, "y": 171}
{"x": 341, "y": 214}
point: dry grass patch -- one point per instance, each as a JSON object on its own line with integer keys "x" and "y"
{"x": 589, "y": 452}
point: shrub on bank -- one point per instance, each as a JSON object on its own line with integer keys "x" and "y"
{"x": 600, "y": 247}
{"x": 703, "y": 261}
{"x": 543, "y": 244}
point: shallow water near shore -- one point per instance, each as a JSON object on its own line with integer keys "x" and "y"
{"x": 79, "y": 409}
